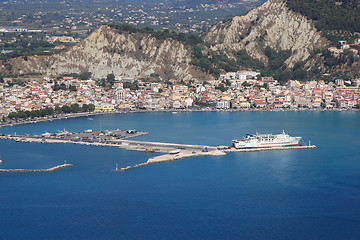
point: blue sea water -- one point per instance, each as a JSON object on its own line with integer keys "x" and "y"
{"x": 292, "y": 194}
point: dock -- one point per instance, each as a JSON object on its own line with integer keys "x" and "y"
{"x": 186, "y": 154}
{"x": 119, "y": 138}
{"x": 56, "y": 168}
{"x": 230, "y": 150}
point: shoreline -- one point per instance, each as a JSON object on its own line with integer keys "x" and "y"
{"x": 88, "y": 114}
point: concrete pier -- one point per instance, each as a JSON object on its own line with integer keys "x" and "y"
{"x": 184, "y": 150}
{"x": 267, "y": 149}
{"x": 38, "y": 170}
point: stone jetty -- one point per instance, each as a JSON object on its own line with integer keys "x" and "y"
{"x": 38, "y": 170}
{"x": 118, "y": 138}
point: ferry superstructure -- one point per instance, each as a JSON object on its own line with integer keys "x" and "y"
{"x": 266, "y": 141}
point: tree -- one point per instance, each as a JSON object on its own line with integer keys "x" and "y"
{"x": 91, "y": 107}
{"x": 85, "y": 75}
{"x": 74, "y": 108}
{"x": 66, "y": 109}
{"x": 85, "y": 108}
{"x": 72, "y": 88}
{"x": 58, "y": 110}
{"x": 110, "y": 78}
{"x": 1, "y": 78}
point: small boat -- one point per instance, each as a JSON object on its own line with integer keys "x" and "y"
{"x": 90, "y": 119}
{"x": 149, "y": 151}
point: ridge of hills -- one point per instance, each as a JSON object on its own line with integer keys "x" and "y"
{"x": 279, "y": 38}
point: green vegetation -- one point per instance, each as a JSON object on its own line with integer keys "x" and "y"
{"x": 330, "y": 14}
{"x": 202, "y": 104}
{"x": 110, "y": 78}
{"x": 16, "y": 81}
{"x": 25, "y": 45}
{"x": 188, "y": 39}
{"x": 49, "y": 111}
{"x": 222, "y": 88}
{"x": 107, "y": 82}
{"x": 63, "y": 87}
{"x": 131, "y": 85}
{"x": 85, "y": 75}
{"x": 202, "y": 57}
{"x": 278, "y": 69}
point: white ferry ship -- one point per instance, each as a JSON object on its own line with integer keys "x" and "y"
{"x": 266, "y": 141}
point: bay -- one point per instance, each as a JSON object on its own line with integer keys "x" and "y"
{"x": 292, "y": 194}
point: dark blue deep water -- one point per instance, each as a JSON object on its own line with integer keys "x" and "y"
{"x": 293, "y": 194}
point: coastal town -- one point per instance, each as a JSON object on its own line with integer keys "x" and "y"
{"x": 243, "y": 90}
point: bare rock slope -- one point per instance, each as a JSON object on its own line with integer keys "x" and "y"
{"x": 107, "y": 50}
{"x": 271, "y": 24}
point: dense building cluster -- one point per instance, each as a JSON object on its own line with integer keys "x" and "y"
{"x": 233, "y": 91}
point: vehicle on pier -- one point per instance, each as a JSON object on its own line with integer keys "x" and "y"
{"x": 173, "y": 152}
{"x": 266, "y": 141}
{"x": 149, "y": 151}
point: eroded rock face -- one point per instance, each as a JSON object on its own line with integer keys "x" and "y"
{"x": 271, "y": 24}
{"x": 108, "y": 51}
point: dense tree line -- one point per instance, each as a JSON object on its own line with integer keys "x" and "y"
{"x": 49, "y": 111}
{"x": 189, "y": 39}
{"x": 107, "y": 82}
{"x": 25, "y": 47}
{"x": 330, "y": 14}
{"x": 62, "y": 86}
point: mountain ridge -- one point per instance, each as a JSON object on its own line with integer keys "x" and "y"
{"x": 271, "y": 24}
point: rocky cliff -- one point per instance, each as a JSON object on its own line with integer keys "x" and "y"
{"x": 271, "y": 24}
{"x": 108, "y": 50}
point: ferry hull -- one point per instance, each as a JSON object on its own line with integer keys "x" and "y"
{"x": 272, "y": 146}
{"x": 266, "y": 141}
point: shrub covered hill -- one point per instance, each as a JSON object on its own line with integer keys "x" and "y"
{"x": 288, "y": 39}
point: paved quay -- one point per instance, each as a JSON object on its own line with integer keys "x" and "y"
{"x": 185, "y": 154}
{"x": 230, "y": 150}
{"x": 118, "y": 138}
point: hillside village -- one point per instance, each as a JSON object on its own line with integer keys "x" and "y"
{"x": 345, "y": 46}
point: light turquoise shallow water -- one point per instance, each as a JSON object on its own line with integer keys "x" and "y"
{"x": 297, "y": 194}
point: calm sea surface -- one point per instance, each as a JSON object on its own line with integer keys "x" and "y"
{"x": 293, "y": 194}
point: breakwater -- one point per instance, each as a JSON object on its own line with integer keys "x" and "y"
{"x": 117, "y": 138}
{"x": 59, "y": 167}
{"x": 185, "y": 154}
